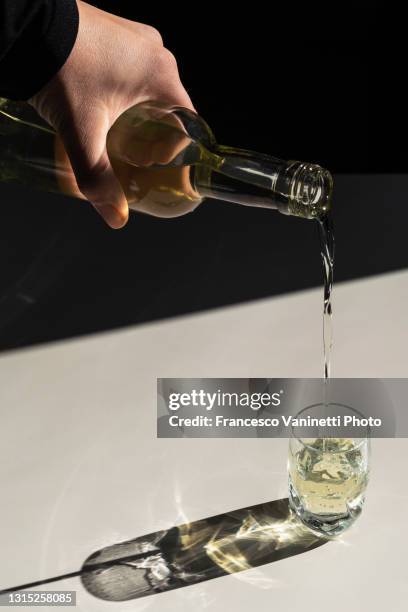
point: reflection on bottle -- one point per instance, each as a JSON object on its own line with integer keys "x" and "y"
{"x": 197, "y": 551}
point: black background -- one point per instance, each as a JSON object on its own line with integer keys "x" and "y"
{"x": 281, "y": 77}
{"x": 297, "y": 80}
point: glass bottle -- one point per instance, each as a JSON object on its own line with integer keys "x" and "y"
{"x": 167, "y": 161}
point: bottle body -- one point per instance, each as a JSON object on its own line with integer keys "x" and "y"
{"x": 167, "y": 161}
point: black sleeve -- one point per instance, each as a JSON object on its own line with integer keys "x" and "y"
{"x": 36, "y": 38}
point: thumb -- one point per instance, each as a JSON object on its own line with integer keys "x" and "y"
{"x": 85, "y": 142}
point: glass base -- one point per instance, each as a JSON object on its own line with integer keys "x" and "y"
{"x": 328, "y": 525}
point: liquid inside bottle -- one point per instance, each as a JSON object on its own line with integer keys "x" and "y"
{"x": 167, "y": 161}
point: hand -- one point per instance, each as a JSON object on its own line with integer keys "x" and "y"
{"x": 115, "y": 64}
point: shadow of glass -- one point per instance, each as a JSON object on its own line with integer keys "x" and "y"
{"x": 194, "y": 552}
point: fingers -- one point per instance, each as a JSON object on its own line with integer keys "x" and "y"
{"x": 85, "y": 142}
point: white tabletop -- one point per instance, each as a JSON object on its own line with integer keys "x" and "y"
{"x": 81, "y": 467}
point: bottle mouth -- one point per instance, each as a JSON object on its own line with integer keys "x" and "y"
{"x": 310, "y": 190}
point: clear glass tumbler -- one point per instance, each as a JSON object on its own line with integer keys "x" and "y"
{"x": 328, "y": 476}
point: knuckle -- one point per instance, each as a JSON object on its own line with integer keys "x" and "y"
{"x": 166, "y": 62}
{"x": 153, "y": 34}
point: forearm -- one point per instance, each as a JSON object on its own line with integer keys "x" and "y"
{"x": 36, "y": 38}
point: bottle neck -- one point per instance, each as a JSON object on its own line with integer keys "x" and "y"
{"x": 253, "y": 179}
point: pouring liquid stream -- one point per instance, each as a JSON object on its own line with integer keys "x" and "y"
{"x": 327, "y": 254}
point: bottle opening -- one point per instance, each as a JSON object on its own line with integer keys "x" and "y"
{"x": 310, "y": 190}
